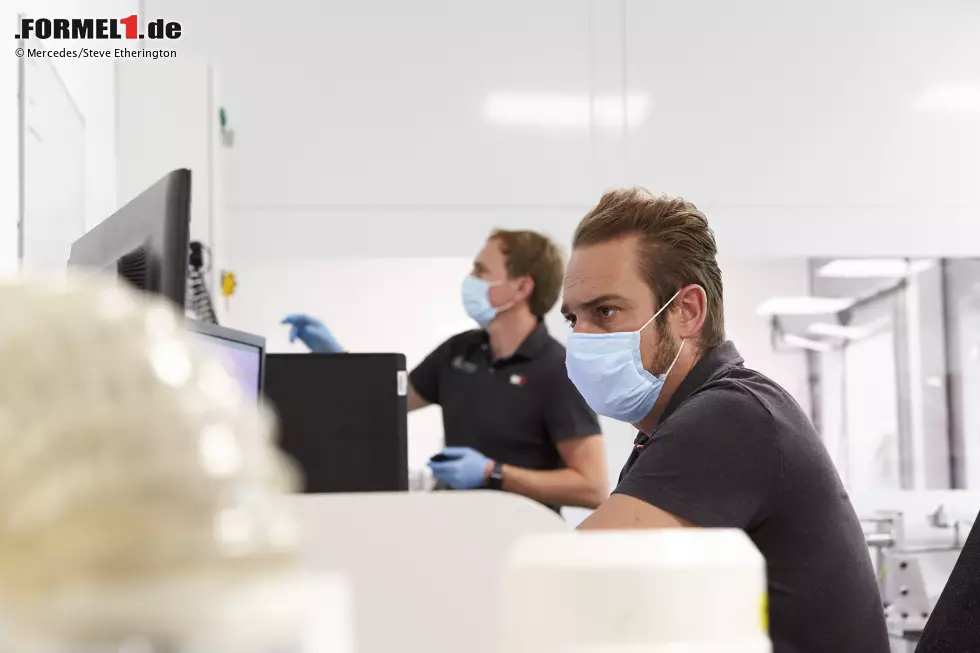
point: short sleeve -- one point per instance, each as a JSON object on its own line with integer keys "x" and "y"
{"x": 566, "y": 415}
{"x": 426, "y": 376}
{"x": 715, "y": 462}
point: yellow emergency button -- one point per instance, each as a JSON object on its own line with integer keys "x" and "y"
{"x": 228, "y": 284}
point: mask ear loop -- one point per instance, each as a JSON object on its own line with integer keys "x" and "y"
{"x": 662, "y": 309}
{"x": 683, "y": 340}
{"x": 679, "y": 350}
{"x": 506, "y": 305}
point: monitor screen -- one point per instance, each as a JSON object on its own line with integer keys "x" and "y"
{"x": 243, "y": 361}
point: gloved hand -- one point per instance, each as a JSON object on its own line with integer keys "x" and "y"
{"x": 465, "y": 471}
{"x": 313, "y": 333}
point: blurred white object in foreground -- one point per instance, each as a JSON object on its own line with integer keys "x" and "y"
{"x": 653, "y": 591}
{"x": 143, "y": 504}
{"x": 328, "y": 614}
{"x": 424, "y": 566}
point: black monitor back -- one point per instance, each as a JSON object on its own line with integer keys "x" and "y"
{"x": 344, "y": 419}
{"x": 145, "y": 242}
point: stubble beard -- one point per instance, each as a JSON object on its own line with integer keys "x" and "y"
{"x": 666, "y": 347}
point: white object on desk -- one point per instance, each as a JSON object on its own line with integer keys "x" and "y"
{"x": 329, "y": 615}
{"x": 424, "y": 568}
{"x": 421, "y": 480}
{"x": 655, "y": 591}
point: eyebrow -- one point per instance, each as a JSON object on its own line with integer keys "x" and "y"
{"x": 596, "y": 301}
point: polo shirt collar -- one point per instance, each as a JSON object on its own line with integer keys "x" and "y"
{"x": 534, "y": 343}
{"x": 529, "y": 349}
{"x": 715, "y": 361}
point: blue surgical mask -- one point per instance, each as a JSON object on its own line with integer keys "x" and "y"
{"x": 476, "y": 300}
{"x": 608, "y": 371}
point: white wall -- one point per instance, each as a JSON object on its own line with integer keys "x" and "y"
{"x": 801, "y": 130}
{"x": 8, "y": 154}
{"x": 92, "y": 85}
{"x": 797, "y": 131}
{"x": 157, "y": 135}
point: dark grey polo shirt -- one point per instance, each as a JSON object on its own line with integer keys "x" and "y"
{"x": 734, "y": 450}
{"x": 954, "y": 626}
{"x": 513, "y": 410}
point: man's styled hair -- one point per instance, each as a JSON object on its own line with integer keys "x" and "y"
{"x": 676, "y": 247}
{"x": 529, "y": 254}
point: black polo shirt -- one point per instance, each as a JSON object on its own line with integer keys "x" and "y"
{"x": 513, "y": 410}
{"x": 734, "y": 450}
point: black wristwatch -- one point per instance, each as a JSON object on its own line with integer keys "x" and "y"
{"x": 496, "y": 479}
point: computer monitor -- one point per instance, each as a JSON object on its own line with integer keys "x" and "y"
{"x": 243, "y": 354}
{"x": 145, "y": 242}
{"x": 343, "y": 419}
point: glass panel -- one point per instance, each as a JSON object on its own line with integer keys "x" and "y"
{"x": 871, "y": 414}
{"x": 963, "y": 337}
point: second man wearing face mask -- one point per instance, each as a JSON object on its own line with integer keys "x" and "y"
{"x": 719, "y": 445}
{"x": 512, "y": 418}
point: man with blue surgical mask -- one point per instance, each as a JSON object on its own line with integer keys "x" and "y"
{"x": 513, "y": 420}
{"x": 719, "y": 445}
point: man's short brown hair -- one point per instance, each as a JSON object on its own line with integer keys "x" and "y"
{"x": 676, "y": 247}
{"x": 529, "y": 254}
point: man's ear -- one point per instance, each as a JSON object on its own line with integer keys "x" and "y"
{"x": 693, "y": 309}
{"x": 525, "y": 286}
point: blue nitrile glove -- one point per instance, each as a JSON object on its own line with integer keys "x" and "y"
{"x": 313, "y": 333}
{"x": 465, "y": 471}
